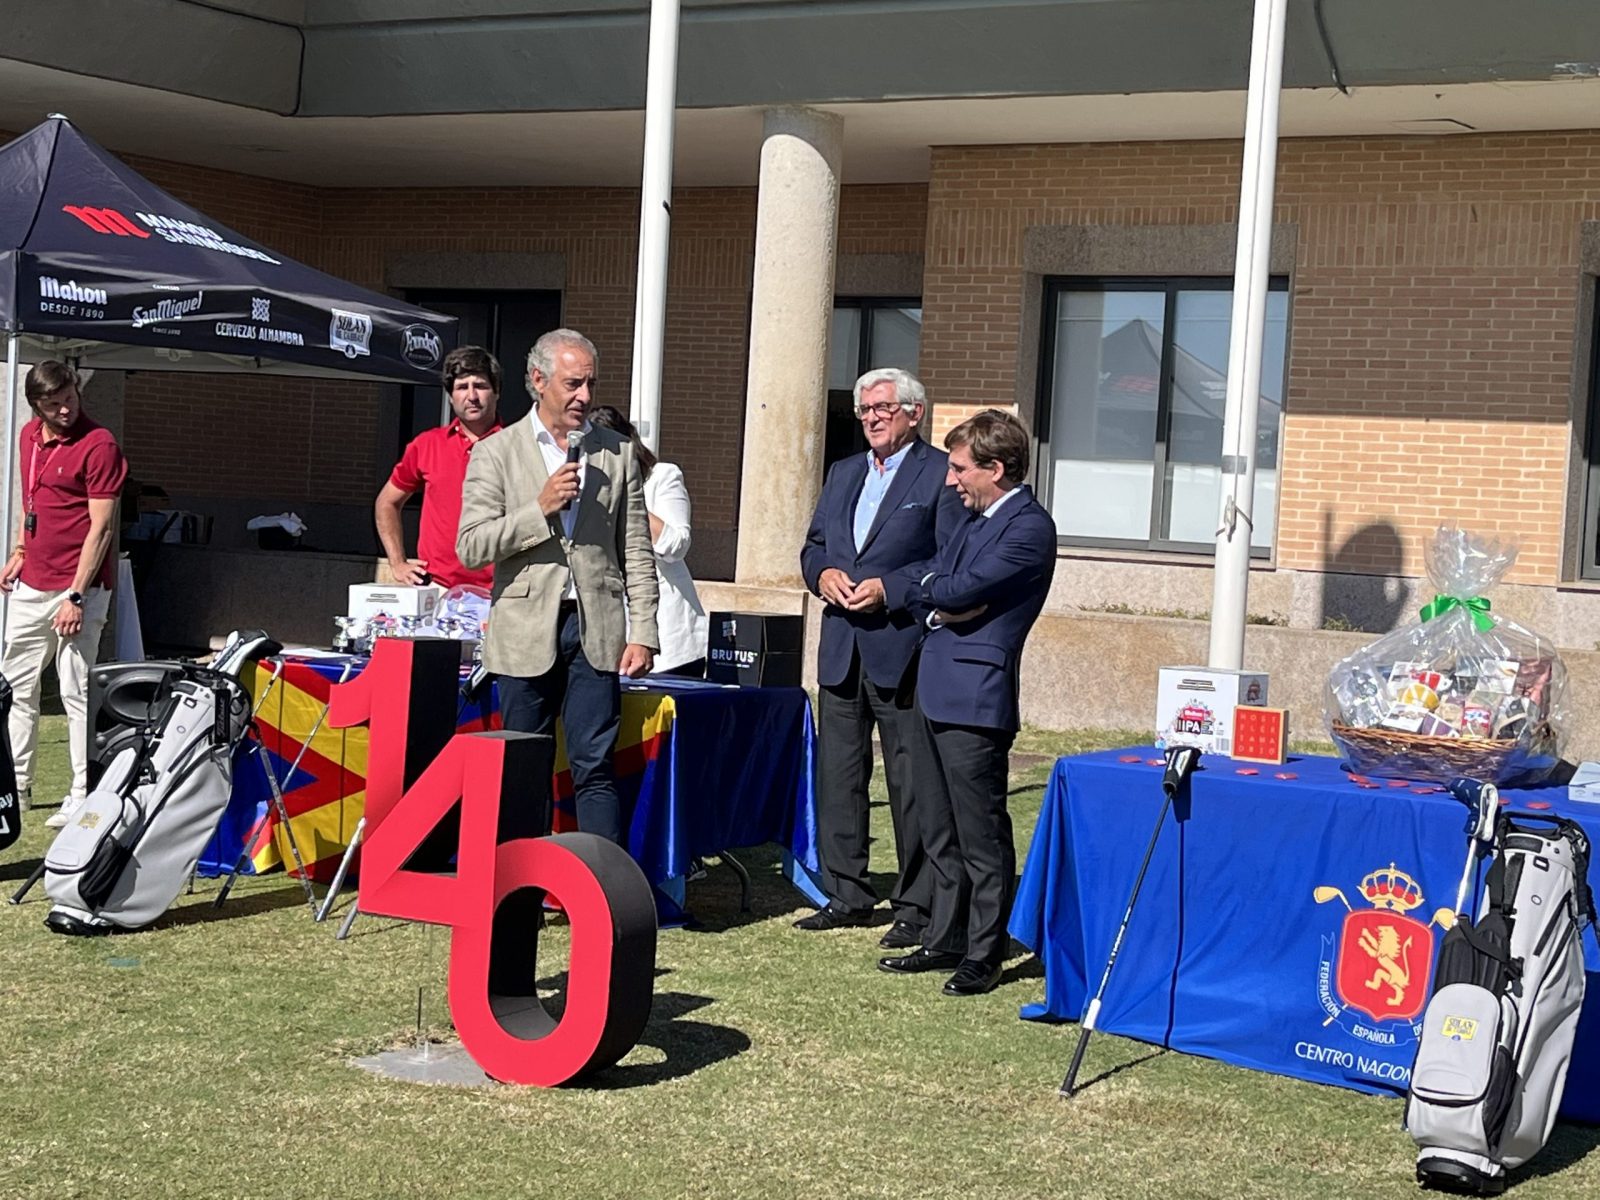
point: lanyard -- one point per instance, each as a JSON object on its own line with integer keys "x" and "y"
{"x": 33, "y": 473}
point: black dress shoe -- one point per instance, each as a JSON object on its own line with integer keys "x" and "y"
{"x": 834, "y": 918}
{"x": 919, "y": 961}
{"x": 972, "y": 978}
{"x": 901, "y": 936}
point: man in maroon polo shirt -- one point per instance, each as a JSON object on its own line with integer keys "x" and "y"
{"x": 437, "y": 462}
{"x": 60, "y": 574}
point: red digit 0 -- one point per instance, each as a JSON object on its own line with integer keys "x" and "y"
{"x": 492, "y": 904}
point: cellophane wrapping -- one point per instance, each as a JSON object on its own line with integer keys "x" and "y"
{"x": 1461, "y": 691}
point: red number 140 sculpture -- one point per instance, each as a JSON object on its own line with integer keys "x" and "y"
{"x": 493, "y": 900}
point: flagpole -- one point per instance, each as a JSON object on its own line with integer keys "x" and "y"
{"x": 655, "y": 221}
{"x": 1252, "y": 259}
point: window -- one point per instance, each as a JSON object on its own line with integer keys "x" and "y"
{"x": 1589, "y": 567}
{"x": 1135, "y": 377}
{"x": 867, "y": 334}
{"x": 507, "y": 324}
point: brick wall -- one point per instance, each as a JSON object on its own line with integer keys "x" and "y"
{"x": 236, "y": 435}
{"x": 1431, "y": 323}
{"x": 353, "y": 233}
{"x": 1432, "y": 317}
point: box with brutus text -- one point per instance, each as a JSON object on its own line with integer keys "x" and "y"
{"x": 1194, "y": 705}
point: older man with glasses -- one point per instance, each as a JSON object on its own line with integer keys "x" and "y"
{"x": 879, "y": 513}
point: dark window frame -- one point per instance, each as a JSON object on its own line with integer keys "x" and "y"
{"x": 867, "y": 305}
{"x": 1044, "y": 461}
{"x": 1589, "y": 562}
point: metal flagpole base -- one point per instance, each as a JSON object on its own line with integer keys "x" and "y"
{"x": 447, "y": 1064}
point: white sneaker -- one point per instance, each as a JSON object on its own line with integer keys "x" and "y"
{"x": 69, "y": 809}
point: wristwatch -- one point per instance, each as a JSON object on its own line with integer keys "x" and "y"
{"x": 75, "y": 598}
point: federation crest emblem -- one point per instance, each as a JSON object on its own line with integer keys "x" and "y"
{"x": 1385, "y": 957}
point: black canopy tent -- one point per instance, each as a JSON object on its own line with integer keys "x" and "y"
{"x": 101, "y": 267}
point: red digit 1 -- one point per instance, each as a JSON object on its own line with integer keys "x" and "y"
{"x": 493, "y": 904}
{"x": 407, "y": 698}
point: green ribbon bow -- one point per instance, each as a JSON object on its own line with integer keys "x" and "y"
{"x": 1477, "y": 605}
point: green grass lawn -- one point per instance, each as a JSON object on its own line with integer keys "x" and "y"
{"x": 209, "y": 1057}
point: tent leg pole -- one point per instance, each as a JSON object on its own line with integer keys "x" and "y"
{"x": 9, "y": 472}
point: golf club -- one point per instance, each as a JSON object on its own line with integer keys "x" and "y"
{"x": 1181, "y": 762}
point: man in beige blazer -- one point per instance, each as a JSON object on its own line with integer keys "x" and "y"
{"x": 568, "y": 540}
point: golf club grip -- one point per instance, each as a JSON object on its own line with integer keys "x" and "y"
{"x": 1070, "y": 1083}
{"x": 27, "y": 884}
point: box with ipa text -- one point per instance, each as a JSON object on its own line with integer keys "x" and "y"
{"x": 1194, "y": 705}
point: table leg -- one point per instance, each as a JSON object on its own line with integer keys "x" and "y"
{"x": 738, "y": 869}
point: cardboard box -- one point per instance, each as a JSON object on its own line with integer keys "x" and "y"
{"x": 1194, "y": 705}
{"x": 367, "y": 600}
{"x": 1261, "y": 734}
{"x": 755, "y": 649}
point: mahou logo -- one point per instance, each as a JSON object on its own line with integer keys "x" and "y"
{"x": 172, "y": 229}
{"x": 55, "y": 289}
{"x": 105, "y": 220}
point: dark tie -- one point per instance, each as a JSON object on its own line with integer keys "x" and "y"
{"x": 958, "y": 541}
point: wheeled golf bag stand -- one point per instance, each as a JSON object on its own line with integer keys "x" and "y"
{"x": 127, "y": 852}
{"x": 1497, "y": 1034}
{"x": 10, "y": 802}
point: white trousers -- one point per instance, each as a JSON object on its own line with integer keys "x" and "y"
{"x": 30, "y": 641}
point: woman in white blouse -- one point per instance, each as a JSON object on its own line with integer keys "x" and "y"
{"x": 680, "y": 619}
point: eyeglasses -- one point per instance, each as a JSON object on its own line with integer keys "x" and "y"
{"x": 882, "y": 411}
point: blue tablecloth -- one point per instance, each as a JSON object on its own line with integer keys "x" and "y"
{"x": 1230, "y": 954}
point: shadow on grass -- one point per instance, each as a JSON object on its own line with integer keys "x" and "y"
{"x": 20, "y": 869}
{"x": 713, "y": 902}
{"x": 688, "y": 1046}
{"x": 1568, "y": 1146}
{"x": 1028, "y": 968}
{"x": 202, "y": 910}
{"x": 1111, "y": 1072}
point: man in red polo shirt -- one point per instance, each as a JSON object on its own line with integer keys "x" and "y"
{"x": 60, "y": 575}
{"x": 437, "y": 460}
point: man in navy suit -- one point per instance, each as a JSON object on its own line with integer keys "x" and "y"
{"x": 978, "y": 602}
{"x": 878, "y": 513}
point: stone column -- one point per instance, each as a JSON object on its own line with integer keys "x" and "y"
{"x": 791, "y": 312}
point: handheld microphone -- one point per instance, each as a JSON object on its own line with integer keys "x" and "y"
{"x": 1181, "y": 762}
{"x": 474, "y": 683}
{"x": 574, "y": 452}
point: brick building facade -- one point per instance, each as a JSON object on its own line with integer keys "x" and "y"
{"x": 1440, "y": 320}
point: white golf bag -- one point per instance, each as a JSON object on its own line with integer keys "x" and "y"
{"x": 126, "y": 853}
{"x": 1498, "y": 1031}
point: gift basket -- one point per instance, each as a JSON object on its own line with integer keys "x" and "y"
{"x": 1462, "y": 692}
